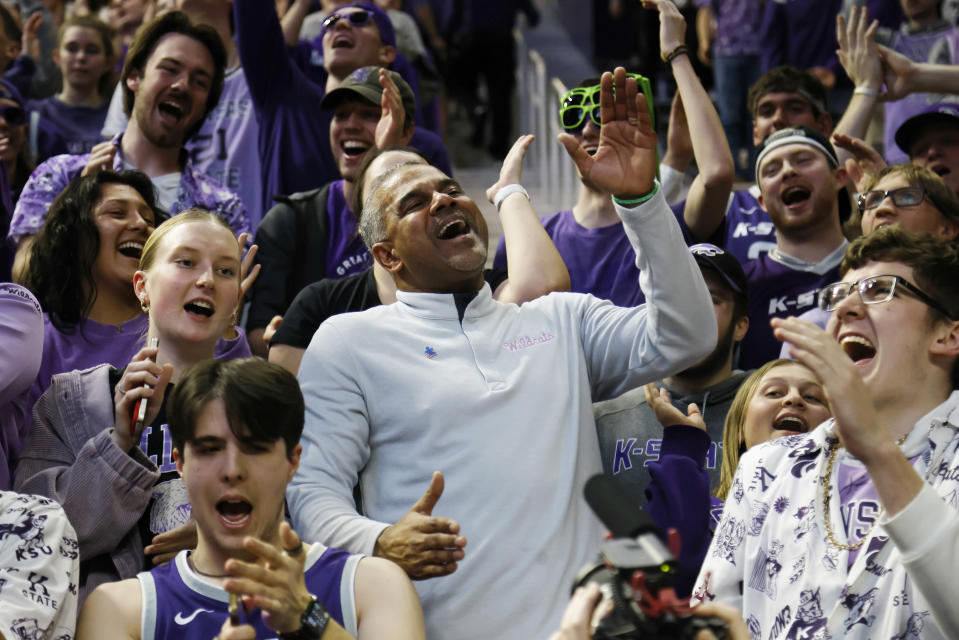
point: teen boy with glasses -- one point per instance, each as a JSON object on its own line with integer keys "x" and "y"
{"x": 852, "y": 530}
{"x": 590, "y": 236}
{"x": 906, "y": 195}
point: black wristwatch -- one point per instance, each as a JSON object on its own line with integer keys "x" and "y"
{"x": 313, "y": 623}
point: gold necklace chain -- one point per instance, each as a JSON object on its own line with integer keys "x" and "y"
{"x": 827, "y": 491}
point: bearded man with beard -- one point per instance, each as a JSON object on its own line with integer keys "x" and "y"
{"x": 630, "y": 436}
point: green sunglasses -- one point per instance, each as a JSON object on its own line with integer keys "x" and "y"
{"x": 583, "y": 101}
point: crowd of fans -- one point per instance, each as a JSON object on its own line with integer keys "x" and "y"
{"x": 257, "y": 379}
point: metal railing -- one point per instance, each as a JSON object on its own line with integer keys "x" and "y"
{"x": 548, "y": 167}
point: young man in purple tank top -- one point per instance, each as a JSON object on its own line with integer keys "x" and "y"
{"x": 236, "y": 429}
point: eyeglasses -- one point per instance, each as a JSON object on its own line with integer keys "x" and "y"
{"x": 903, "y": 197}
{"x": 873, "y": 290}
{"x": 13, "y": 115}
{"x": 358, "y": 18}
{"x": 583, "y": 101}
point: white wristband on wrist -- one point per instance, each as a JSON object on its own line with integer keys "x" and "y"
{"x": 508, "y": 190}
{"x": 866, "y": 91}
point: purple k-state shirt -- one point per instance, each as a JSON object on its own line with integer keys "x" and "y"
{"x": 780, "y": 286}
{"x": 50, "y": 178}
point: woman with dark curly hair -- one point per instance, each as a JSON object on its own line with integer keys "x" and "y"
{"x": 81, "y": 270}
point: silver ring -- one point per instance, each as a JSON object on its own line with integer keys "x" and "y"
{"x": 121, "y": 390}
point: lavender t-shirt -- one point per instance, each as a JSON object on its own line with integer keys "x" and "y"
{"x": 600, "y": 261}
{"x": 93, "y": 343}
{"x": 345, "y": 252}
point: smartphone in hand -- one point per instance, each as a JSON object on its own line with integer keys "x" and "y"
{"x": 140, "y": 408}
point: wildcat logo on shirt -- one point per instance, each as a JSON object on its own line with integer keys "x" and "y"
{"x": 27, "y": 526}
{"x": 527, "y": 341}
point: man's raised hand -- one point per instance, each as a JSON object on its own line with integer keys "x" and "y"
{"x": 625, "y": 161}
{"x": 423, "y": 545}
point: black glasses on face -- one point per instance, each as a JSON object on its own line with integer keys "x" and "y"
{"x": 359, "y": 18}
{"x": 903, "y": 197}
{"x": 874, "y": 290}
{"x": 13, "y": 115}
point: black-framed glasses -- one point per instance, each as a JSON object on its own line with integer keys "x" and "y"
{"x": 13, "y": 115}
{"x": 358, "y": 18}
{"x": 581, "y": 102}
{"x": 902, "y": 197}
{"x": 874, "y": 290}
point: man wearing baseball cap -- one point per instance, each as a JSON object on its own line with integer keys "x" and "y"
{"x": 312, "y": 235}
{"x": 931, "y": 139}
{"x": 799, "y": 178}
{"x": 630, "y": 436}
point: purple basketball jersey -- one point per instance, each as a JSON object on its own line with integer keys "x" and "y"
{"x": 178, "y": 603}
{"x": 777, "y": 291}
{"x": 749, "y": 230}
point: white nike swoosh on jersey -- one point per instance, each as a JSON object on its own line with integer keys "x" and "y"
{"x": 180, "y": 620}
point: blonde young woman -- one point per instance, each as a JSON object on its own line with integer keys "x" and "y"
{"x": 780, "y": 398}
{"x": 115, "y": 477}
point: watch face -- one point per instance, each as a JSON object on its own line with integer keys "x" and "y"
{"x": 316, "y": 616}
{"x": 312, "y": 623}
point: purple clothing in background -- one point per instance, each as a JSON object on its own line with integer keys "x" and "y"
{"x": 345, "y": 252}
{"x": 93, "y": 343}
{"x": 7, "y": 249}
{"x": 746, "y": 232}
{"x": 21, "y": 73}
{"x": 777, "y": 291}
{"x": 50, "y": 178}
{"x": 225, "y": 147}
{"x": 21, "y": 343}
{"x": 294, "y": 137}
{"x": 737, "y": 23}
{"x": 938, "y": 44}
{"x": 57, "y": 128}
{"x": 801, "y": 33}
{"x": 600, "y": 261}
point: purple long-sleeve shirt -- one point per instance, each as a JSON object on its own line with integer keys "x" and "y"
{"x": 294, "y": 137}
{"x": 21, "y": 343}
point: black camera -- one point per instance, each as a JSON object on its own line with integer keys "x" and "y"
{"x": 637, "y": 572}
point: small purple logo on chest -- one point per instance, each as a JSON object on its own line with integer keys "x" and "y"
{"x": 527, "y": 341}
{"x": 430, "y": 353}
